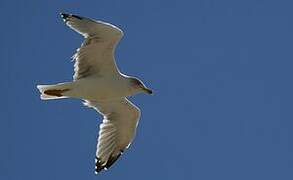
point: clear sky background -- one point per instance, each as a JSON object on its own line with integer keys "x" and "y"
{"x": 221, "y": 72}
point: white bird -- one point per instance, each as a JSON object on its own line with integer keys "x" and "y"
{"x": 102, "y": 86}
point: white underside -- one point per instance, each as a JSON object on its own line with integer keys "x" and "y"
{"x": 96, "y": 89}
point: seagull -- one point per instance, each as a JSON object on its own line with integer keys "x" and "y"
{"x": 99, "y": 83}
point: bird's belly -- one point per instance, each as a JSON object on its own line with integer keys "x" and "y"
{"x": 95, "y": 89}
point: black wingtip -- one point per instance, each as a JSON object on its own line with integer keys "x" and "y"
{"x": 112, "y": 160}
{"x": 66, "y": 16}
{"x": 100, "y": 165}
{"x": 78, "y": 17}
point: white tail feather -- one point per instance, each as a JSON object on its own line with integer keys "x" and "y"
{"x": 60, "y": 86}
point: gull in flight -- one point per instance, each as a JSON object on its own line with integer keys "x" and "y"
{"x": 101, "y": 85}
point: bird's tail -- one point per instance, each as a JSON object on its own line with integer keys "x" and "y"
{"x": 55, "y": 91}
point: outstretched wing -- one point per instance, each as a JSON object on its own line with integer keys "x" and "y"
{"x": 117, "y": 130}
{"x": 95, "y": 57}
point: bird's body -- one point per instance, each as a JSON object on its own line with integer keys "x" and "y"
{"x": 101, "y": 89}
{"x": 100, "y": 84}
{"x": 95, "y": 88}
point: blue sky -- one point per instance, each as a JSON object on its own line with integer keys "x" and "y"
{"x": 221, "y": 72}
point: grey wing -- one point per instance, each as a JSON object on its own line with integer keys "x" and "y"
{"x": 117, "y": 130}
{"x": 95, "y": 57}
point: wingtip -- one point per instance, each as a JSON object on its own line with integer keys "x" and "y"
{"x": 100, "y": 165}
{"x": 75, "y": 16}
{"x": 65, "y": 16}
{"x": 112, "y": 160}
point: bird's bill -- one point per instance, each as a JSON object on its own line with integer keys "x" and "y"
{"x": 147, "y": 90}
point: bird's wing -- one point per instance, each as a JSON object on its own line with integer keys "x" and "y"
{"x": 95, "y": 57}
{"x": 117, "y": 130}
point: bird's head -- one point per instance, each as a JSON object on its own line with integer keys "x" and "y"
{"x": 138, "y": 86}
